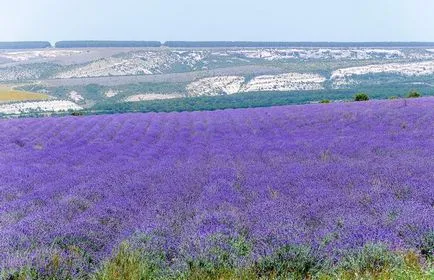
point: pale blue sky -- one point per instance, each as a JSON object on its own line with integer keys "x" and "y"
{"x": 254, "y": 20}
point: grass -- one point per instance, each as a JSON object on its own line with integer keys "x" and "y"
{"x": 8, "y": 94}
{"x": 128, "y": 264}
{"x": 372, "y": 262}
{"x": 134, "y": 262}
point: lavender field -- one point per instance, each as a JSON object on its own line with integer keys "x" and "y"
{"x": 223, "y": 188}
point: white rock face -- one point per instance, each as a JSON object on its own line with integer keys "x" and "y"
{"x": 111, "y": 93}
{"x": 341, "y": 76}
{"x": 285, "y": 82}
{"x": 236, "y": 84}
{"x": 112, "y": 66}
{"x": 17, "y": 73}
{"x": 430, "y": 50}
{"x": 151, "y": 96}
{"x": 134, "y": 63}
{"x": 306, "y": 53}
{"x": 28, "y": 55}
{"x": 75, "y": 96}
{"x": 41, "y": 106}
{"x": 375, "y": 53}
{"x": 216, "y": 85}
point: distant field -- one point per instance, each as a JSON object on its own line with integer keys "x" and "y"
{"x": 8, "y": 94}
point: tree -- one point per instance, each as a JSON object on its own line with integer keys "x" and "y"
{"x": 414, "y": 94}
{"x": 361, "y": 97}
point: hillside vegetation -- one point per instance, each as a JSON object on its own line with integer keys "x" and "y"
{"x": 106, "y": 76}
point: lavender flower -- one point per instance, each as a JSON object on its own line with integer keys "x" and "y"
{"x": 332, "y": 177}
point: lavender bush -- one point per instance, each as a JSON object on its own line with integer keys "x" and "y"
{"x": 227, "y": 187}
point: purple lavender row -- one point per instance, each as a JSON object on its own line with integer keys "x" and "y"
{"x": 335, "y": 177}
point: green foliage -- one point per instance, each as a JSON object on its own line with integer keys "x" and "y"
{"x": 198, "y": 273}
{"x": 290, "y": 261}
{"x": 241, "y": 246}
{"x": 361, "y": 97}
{"x": 92, "y": 91}
{"x": 242, "y": 100}
{"x": 222, "y": 258}
{"x": 70, "y": 264}
{"x": 371, "y": 258}
{"x": 129, "y": 264}
{"x": 201, "y": 270}
{"x": 427, "y": 246}
{"x": 325, "y": 101}
{"x": 104, "y": 105}
{"x": 394, "y": 266}
{"x": 414, "y": 94}
{"x": 77, "y": 113}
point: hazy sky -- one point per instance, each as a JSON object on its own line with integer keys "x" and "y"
{"x": 254, "y": 20}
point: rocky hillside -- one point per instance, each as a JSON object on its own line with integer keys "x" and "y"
{"x": 91, "y": 76}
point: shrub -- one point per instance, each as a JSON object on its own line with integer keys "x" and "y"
{"x": 77, "y": 113}
{"x": 325, "y": 101}
{"x": 223, "y": 256}
{"x": 371, "y": 259}
{"x": 203, "y": 271}
{"x": 427, "y": 245}
{"x": 361, "y": 97}
{"x": 413, "y": 94}
{"x": 128, "y": 264}
{"x": 290, "y": 261}
{"x": 409, "y": 267}
{"x": 393, "y": 97}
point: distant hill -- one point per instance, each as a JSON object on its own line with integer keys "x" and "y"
{"x": 107, "y": 44}
{"x": 209, "y": 44}
{"x": 25, "y": 45}
{"x": 248, "y": 44}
